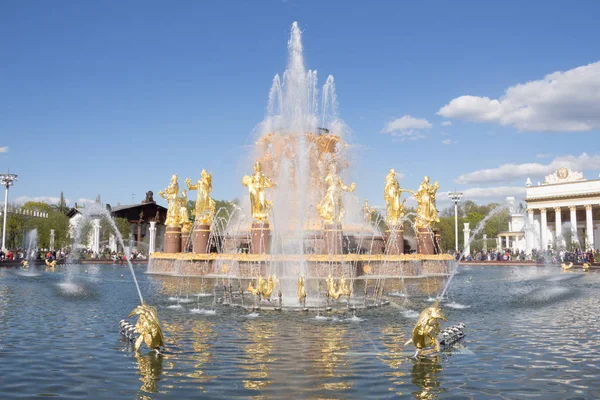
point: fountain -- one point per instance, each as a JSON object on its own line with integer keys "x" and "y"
{"x": 534, "y": 328}
{"x": 301, "y": 221}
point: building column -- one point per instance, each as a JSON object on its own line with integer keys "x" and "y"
{"x": 558, "y": 228}
{"x": 498, "y": 243}
{"x": 529, "y": 232}
{"x": 589, "y": 227}
{"x": 96, "y": 236}
{"x": 467, "y": 238}
{"x": 507, "y": 242}
{"x": 544, "y": 230}
{"x": 51, "y": 239}
{"x": 574, "y": 238}
{"x": 152, "y": 244}
{"x": 485, "y": 242}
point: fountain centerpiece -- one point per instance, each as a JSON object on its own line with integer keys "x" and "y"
{"x": 302, "y": 224}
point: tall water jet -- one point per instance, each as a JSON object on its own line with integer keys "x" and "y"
{"x": 97, "y": 211}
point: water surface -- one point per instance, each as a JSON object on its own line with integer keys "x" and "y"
{"x": 531, "y": 333}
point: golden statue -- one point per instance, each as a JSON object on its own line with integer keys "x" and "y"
{"x": 391, "y": 194}
{"x": 173, "y": 208}
{"x": 205, "y": 205}
{"x": 257, "y": 183}
{"x": 301, "y": 290}
{"x": 367, "y": 211}
{"x": 50, "y": 264}
{"x": 183, "y": 213}
{"x": 335, "y": 291}
{"x": 331, "y": 208}
{"x": 427, "y": 329}
{"x": 586, "y": 267}
{"x": 148, "y": 327}
{"x": 566, "y": 267}
{"x": 25, "y": 264}
{"x": 426, "y": 212}
{"x": 263, "y": 288}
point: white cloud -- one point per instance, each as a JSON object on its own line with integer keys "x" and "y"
{"x": 83, "y": 202}
{"x": 447, "y": 123}
{"x": 4, "y": 149}
{"x": 543, "y": 155}
{"x": 484, "y": 195}
{"x": 494, "y": 192}
{"x": 407, "y": 128}
{"x": 44, "y": 199}
{"x": 566, "y": 101}
{"x": 511, "y": 172}
{"x": 447, "y": 141}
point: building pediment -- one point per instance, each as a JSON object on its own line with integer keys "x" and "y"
{"x": 563, "y": 175}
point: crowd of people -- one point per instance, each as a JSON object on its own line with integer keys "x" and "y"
{"x": 38, "y": 254}
{"x": 549, "y": 256}
{"x": 115, "y": 256}
{"x": 21, "y": 254}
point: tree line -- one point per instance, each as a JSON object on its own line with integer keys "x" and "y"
{"x": 18, "y": 224}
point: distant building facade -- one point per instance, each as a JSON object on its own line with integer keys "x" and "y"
{"x": 563, "y": 211}
{"x": 140, "y": 217}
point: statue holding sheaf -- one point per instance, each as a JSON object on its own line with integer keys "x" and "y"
{"x": 256, "y": 184}
{"x": 331, "y": 208}
{"x": 205, "y": 205}
{"x": 427, "y": 213}
{"x": 173, "y": 209}
{"x": 391, "y": 193}
{"x": 186, "y": 224}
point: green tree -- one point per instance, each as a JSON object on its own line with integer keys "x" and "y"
{"x": 62, "y": 205}
{"x": 123, "y": 226}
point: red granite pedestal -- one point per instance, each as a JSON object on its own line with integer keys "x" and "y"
{"x": 173, "y": 239}
{"x": 425, "y": 241}
{"x": 333, "y": 239}
{"x": 394, "y": 240}
{"x": 438, "y": 242}
{"x": 184, "y": 241}
{"x": 260, "y": 238}
{"x": 200, "y": 239}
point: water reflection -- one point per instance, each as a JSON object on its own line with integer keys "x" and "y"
{"x": 393, "y": 339}
{"x": 258, "y": 354}
{"x": 202, "y": 334}
{"x": 425, "y": 374}
{"x": 150, "y": 367}
{"x": 331, "y": 358}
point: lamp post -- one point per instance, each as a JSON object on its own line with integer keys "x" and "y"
{"x": 7, "y": 180}
{"x": 455, "y": 197}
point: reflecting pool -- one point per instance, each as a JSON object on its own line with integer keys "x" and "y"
{"x": 531, "y": 332}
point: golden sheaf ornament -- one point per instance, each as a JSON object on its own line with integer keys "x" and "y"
{"x": 148, "y": 327}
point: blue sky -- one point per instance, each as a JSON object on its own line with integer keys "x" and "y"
{"x": 114, "y": 97}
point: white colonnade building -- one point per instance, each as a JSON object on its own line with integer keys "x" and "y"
{"x": 562, "y": 211}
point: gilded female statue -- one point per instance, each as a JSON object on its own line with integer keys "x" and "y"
{"x": 391, "y": 194}
{"x": 331, "y": 208}
{"x": 184, "y": 217}
{"x": 205, "y": 205}
{"x": 256, "y": 184}
{"x": 425, "y": 195}
{"x": 367, "y": 211}
{"x": 171, "y": 195}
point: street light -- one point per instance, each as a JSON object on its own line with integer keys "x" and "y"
{"x": 7, "y": 180}
{"x": 455, "y": 197}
